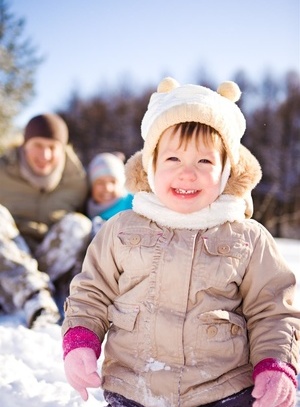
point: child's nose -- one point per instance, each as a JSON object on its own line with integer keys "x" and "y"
{"x": 188, "y": 172}
{"x": 110, "y": 186}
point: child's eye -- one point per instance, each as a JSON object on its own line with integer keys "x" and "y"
{"x": 172, "y": 159}
{"x": 205, "y": 161}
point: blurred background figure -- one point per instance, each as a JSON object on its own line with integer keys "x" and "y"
{"x": 108, "y": 195}
{"x": 43, "y": 232}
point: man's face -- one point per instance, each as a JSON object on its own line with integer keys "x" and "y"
{"x": 43, "y": 155}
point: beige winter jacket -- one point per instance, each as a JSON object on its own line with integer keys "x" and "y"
{"x": 190, "y": 303}
{"x": 180, "y": 303}
{"x": 34, "y": 210}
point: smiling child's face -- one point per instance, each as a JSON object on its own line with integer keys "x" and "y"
{"x": 106, "y": 189}
{"x": 187, "y": 174}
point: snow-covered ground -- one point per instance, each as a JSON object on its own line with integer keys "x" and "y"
{"x": 32, "y": 373}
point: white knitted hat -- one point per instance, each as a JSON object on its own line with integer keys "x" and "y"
{"x": 106, "y": 164}
{"x": 173, "y": 104}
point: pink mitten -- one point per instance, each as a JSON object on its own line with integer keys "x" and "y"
{"x": 274, "y": 384}
{"x": 81, "y": 370}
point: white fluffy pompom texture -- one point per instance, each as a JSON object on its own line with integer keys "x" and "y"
{"x": 167, "y": 84}
{"x": 229, "y": 90}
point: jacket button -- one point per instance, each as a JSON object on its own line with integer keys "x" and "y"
{"x": 135, "y": 239}
{"x": 212, "y": 331}
{"x": 235, "y": 329}
{"x": 224, "y": 249}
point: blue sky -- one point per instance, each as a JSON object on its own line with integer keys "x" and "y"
{"x": 93, "y": 45}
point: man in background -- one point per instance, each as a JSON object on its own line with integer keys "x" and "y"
{"x": 43, "y": 233}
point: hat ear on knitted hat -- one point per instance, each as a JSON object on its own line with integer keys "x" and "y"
{"x": 49, "y": 126}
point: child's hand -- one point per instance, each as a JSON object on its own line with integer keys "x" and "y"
{"x": 273, "y": 388}
{"x": 81, "y": 370}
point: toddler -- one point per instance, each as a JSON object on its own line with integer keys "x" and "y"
{"x": 108, "y": 194}
{"x": 195, "y": 299}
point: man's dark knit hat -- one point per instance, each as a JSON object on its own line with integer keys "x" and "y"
{"x": 49, "y": 126}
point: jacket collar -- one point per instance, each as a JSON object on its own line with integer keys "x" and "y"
{"x": 226, "y": 208}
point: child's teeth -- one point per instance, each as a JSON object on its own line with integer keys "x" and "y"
{"x": 184, "y": 191}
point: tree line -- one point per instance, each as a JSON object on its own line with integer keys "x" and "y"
{"x": 110, "y": 121}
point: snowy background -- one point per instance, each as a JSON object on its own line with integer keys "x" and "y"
{"x": 32, "y": 372}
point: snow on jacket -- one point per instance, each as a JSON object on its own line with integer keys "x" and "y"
{"x": 180, "y": 304}
{"x": 33, "y": 209}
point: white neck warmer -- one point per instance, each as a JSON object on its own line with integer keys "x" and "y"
{"x": 226, "y": 208}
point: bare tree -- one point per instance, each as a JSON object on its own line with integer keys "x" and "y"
{"x": 274, "y": 137}
{"x": 19, "y": 61}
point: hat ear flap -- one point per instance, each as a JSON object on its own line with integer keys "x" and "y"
{"x": 136, "y": 176}
{"x": 245, "y": 175}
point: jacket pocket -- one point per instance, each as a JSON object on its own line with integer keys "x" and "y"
{"x": 139, "y": 238}
{"x": 221, "y": 263}
{"x": 221, "y": 342}
{"x": 125, "y": 343}
{"x": 235, "y": 248}
{"x": 123, "y": 315}
{"x": 137, "y": 249}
